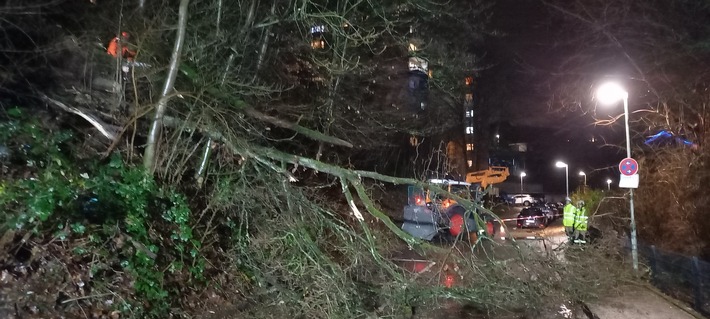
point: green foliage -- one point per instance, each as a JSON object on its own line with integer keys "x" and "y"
{"x": 71, "y": 200}
{"x": 50, "y": 186}
{"x": 591, "y": 197}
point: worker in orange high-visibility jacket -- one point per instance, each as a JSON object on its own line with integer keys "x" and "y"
{"x": 126, "y": 52}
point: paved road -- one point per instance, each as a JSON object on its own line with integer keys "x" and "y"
{"x": 637, "y": 302}
{"x": 632, "y": 302}
{"x": 553, "y": 232}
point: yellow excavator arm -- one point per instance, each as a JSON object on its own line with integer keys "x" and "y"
{"x": 489, "y": 176}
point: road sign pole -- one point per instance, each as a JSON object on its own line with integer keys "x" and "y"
{"x": 634, "y": 246}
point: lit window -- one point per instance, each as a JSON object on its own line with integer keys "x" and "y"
{"x": 317, "y": 43}
{"x": 469, "y": 113}
{"x": 470, "y": 163}
{"x": 418, "y": 64}
{"x": 469, "y": 147}
{"x": 469, "y": 130}
{"x": 469, "y": 80}
{"x": 318, "y": 29}
{"x": 413, "y": 140}
{"x": 412, "y": 47}
{"x": 469, "y": 97}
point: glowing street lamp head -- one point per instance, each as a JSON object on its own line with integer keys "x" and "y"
{"x": 560, "y": 164}
{"x": 608, "y": 181}
{"x": 582, "y": 174}
{"x": 610, "y": 92}
{"x": 523, "y": 174}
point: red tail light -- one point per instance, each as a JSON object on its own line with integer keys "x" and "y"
{"x": 449, "y": 281}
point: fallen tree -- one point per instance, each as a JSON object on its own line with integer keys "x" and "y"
{"x": 271, "y": 228}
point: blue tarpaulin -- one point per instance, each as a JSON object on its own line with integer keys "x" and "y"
{"x": 664, "y": 137}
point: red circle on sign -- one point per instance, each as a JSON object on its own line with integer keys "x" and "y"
{"x": 628, "y": 166}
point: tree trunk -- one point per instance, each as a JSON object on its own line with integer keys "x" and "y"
{"x": 265, "y": 41}
{"x": 154, "y": 134}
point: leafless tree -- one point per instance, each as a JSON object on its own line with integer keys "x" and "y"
{"x": 657, "y": 50}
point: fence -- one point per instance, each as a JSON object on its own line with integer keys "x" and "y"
{"x": 682, "y": 277}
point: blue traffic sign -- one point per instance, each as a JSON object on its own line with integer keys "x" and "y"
{"x": 628, "y": 166}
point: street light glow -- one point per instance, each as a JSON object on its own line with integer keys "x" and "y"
{"x": 560, "y": 164}
{"x": 523, "y": 174}
{"x": 582, "y": 174}
{"x": 611, "y": 92}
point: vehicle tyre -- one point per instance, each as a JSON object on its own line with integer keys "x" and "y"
{"x": 526, "y": 203}
{"x": 457, "y": 225}
{"x": 490, "y": 228}
{"x": 543, "y": 223}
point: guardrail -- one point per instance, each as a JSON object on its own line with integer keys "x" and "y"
{"x": 686, "y": 278}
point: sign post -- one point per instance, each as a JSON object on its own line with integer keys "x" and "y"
{"x": 629, "y": 177}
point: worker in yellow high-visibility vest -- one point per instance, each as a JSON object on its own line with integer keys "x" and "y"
{"x": 580, "y": 223}
{"x": 568, "y": 213}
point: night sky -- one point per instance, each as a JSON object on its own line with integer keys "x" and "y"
{"x": 522, "y": 60}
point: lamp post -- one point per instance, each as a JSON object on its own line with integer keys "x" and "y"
{"x": 584, "y": 186}
{"x": 608, "y": 184}
{"x": 563, "y": 164}
{"x": 585, "y": 177}
{"x": 609, "y": 93}
{"x": 522, "y": 174}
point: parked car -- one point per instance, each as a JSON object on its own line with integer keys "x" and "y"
{"x": 524, "y": 199}
{"x": 532, "y": 217}
{"x": 550, "y": 210}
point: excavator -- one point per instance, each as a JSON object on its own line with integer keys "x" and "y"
{"x": 491, "y": 175}
{"x": 428, "y": 215}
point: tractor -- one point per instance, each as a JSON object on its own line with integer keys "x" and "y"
{"x": 429, "y": 215}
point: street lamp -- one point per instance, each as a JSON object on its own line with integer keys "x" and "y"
{"x": 585, "y": 177}
{"x": 609, "y": 93}
{"x": 608, "y": 184}
{"x": 563, "y": 164}
{"x": 522, "y": 174}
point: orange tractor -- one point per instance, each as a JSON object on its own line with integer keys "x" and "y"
{"x": 429, "y": 215}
